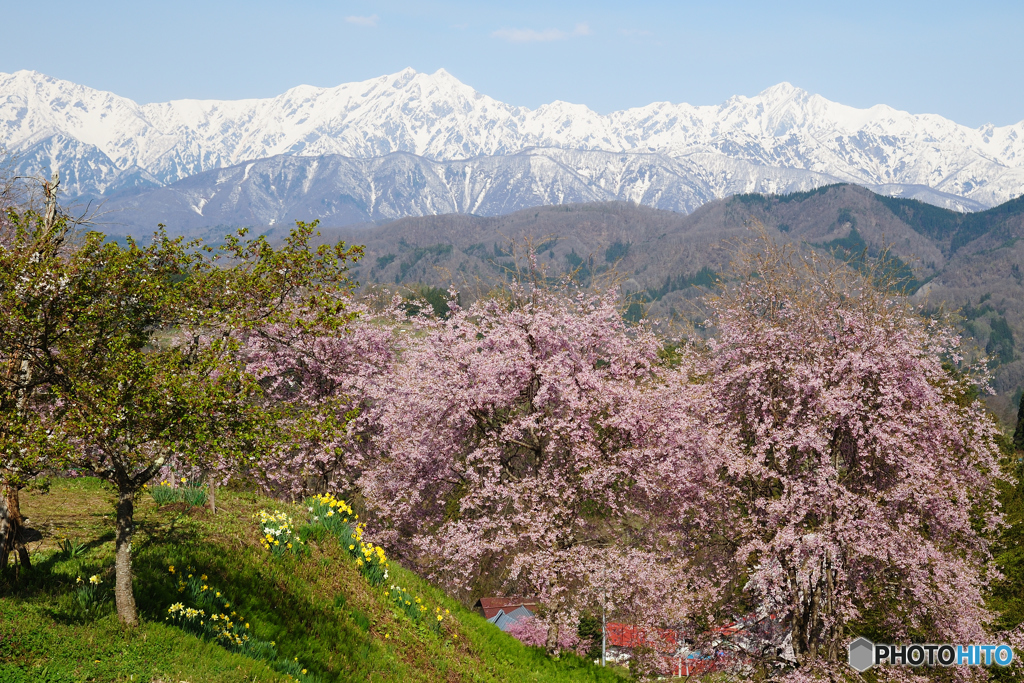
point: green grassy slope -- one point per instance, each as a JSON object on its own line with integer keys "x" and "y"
{"x": 318, "y": 610}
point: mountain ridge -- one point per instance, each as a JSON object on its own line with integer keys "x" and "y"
{"x": 113, "y": 143}
{"x": 340, "y": 190}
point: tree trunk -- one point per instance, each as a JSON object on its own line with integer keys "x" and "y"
{"x": 18, "y": 526}
{"x": 815, "y": 635}
{"x": 124, "y": 596}
{"x": 211, "y": 491}
{"x": 10, "y": 525}
{"x": 5, "y": 533}
{"x": 11, "y": 529}
{"x": 552, "y": 644}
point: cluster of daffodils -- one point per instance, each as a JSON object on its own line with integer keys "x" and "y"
{"x": 210, "y": 615}
{"x": 222, "y": 627}
{"x": 89, "y": 597}
{"x": 412, "y": 606}
{"x": 278, "y": 533}
{"x": 172, "y": 491}
{"x": 416, "y": 610}
{"x": 370, "y": 559}
{"x": 337, "y": 517}
{"x": 333, "y": 513}
{"x": 163, "y": 493}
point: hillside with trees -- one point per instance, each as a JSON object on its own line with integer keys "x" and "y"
{"x": 194, "y": 434}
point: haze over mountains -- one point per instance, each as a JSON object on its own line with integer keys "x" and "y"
{"x": 413, "y": 144}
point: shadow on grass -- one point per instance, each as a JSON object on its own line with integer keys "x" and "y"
{"x": 53, "y": 580}
{"x": 183, "y": 530}
{"x": 318, "y": 609}
{"x": 41, "y": 577}
{"x": 53, "y": 575}
{"x": 267, "y": 593}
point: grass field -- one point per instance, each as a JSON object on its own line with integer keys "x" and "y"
{"x": 319, "y": 612}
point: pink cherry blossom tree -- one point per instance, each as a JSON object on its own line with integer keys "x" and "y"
{"x": 521, "y": 447}
{"x": 864, "y": 465}
{"x": 823, "y": 460}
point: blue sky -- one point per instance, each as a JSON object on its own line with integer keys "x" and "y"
{"x": 962, "y": 60}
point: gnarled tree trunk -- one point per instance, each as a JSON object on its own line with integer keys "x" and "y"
{"x": 11, "y": 525}
{"x": 124, "y": 596}
{"x": 816, "y": 633}
{"x": 5, "y": 533}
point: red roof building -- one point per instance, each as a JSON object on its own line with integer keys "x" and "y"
{"x": 658, "y": 639}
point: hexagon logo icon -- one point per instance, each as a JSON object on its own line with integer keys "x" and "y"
{"x": 862, "y": 653}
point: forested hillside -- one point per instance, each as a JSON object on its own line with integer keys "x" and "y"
{"x": 970, "y": 263}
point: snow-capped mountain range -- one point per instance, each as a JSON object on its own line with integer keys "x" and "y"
{"x": 413, "y": 143}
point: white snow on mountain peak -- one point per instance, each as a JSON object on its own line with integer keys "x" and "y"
{"x": 105, "y": 141}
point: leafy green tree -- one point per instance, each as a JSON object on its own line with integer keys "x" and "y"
{"x": 142, "y": 393}
{"x": 156, "y": 366}
{"x": 1000, "y": 345}
{"x": 39, "y": 294}
{"x": 127, "y": 355}
{"x": 1006, "y": 593}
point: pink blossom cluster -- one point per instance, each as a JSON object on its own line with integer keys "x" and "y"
{"x": 534, "y": 631}
{"x": 863, "y": 468}
{"x": 524, "y": 440}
